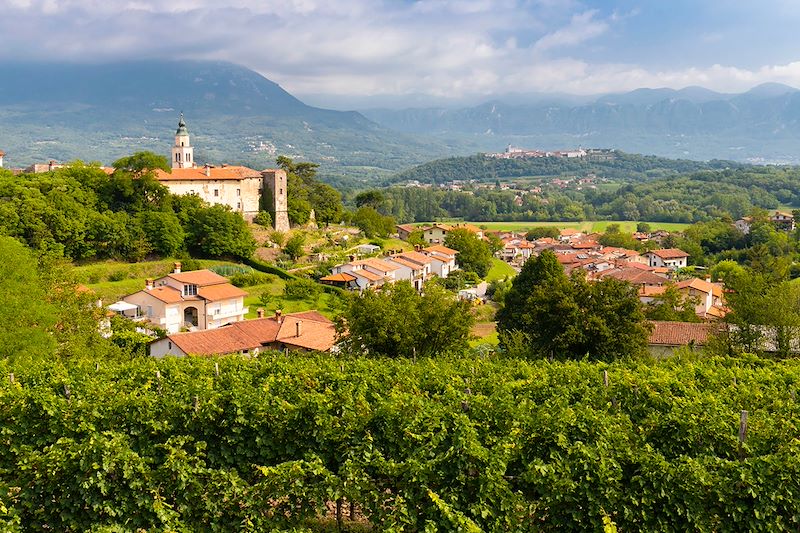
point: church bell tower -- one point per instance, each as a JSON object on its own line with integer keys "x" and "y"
{"x": 182, "y": 152}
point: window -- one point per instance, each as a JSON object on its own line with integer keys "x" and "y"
{"x": 188, "y": 157}
{"x": 281, "y": 191}
{"x": 169, "y": 345}
{"x": 238, "y": 205}
{"x": 190, "y": 290}
{"x": 216, "y": 192}
{"x": 238, "y": 192}
{"x": 150, "y": 311}
{"x": 177, "y": 157}
{"x": 181, "y": 143}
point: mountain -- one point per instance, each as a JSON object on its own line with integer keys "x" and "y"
{"x": 761, "y": 125}
{"x": 235, "y": 115}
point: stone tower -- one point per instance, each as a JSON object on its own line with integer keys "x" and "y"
{"x": 275, "y": 197}
{"x": 182, "y": 152}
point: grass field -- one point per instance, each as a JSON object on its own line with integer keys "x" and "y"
{"x": 589, "y": 226}
{"x": 500, "y": 269}
{"x": 286, "y": 305}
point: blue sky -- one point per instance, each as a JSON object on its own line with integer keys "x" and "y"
{"x": 435, "y": 48}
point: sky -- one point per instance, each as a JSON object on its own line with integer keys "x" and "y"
{"x": 439, "y": 49}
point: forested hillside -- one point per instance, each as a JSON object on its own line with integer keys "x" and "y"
{"x": 621, "y": 166}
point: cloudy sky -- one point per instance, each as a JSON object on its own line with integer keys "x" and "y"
{"x": 441, "y": 48}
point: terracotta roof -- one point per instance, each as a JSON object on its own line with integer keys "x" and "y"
{"x": 584, "y": 245}
{"x": 469, "y": 227}
{"x": 668, "y": 253}
{"x": 680, "y": 333}
{"x": 410, "y": 264}
{"x": 377, "y": 264}
{"x": 416, "y": 257}
{"x": 568, "y": 232}
{"x": 635, "y": 276}
{"x": 439, "y": 249}
{"x": 444, "y": 227}
{"x": 344, "y": 277}
{"x": 166, "y": 294}
{"x": 651, "y": 290}
{"x": 198, "y": 277}
{"x": 215, "y": 173}
{"x": 406, "y": 227}
{"x": 363, "y": 273}
{"x": 316, "y": 333}
{"x": 220, "y": 291}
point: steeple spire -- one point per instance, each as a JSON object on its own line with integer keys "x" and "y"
{"x": 182, "y": 152}
{"x": 182, "y": 127}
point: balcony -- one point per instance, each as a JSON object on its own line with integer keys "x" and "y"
{"x": 227, "y": 314}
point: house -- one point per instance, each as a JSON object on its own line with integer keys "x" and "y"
{"x": 367, "y": 249}
{"x": 443, "y": 259}
{"x": 199, "y": 299}
{"x": 2, "y": 155}
{"x": 744, "y": 224}
{"x": 237, "y": 187}
{"x": 783, "y": 220}
{"x": 666, "y": 337}
{"x": 405, "y": 230}
{"x": 635, "y": 276}
{"x": 710, "y": 302}
{"x": 436, "y": 233}
{"x": 343, "y": 280}
{"x": 671, "y": 258}
{"x": 307, "y": 331}
{"x": 412, "y": 266}
{"x": 369, "y": 273}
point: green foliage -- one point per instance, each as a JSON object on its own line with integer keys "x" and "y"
{"x": 613, "y": 236}
{"x": 460, "y": 279}
{"x": 249, "y": 279}
{"x": 372, "y": 223}
{"x": 417, "y": 238}
{"x": 543, "y": 231}
{"x": 305, "y": 193}
{"x": 263, "y": 218}
{"x": 216, "y": 231}
{"x": 466, "y": 444}
{"x": 294, "y": 246}
{"x": 163, "y": 231}
{"x": 473, "y": 253}
{"x": 671, "y": 305}
{"x": 400, "y": 322}
{"x": 302, "y": 289}
{"x": 142, "y": 163}
{"x": 570, "y": 318}
{"x": 371, "y": 199}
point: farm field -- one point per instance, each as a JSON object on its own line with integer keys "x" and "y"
{"x": 596, "y": 225}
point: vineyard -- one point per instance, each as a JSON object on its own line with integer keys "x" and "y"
{"x": 298, "y": 442}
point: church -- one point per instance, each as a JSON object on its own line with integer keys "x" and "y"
{"x": 240, "y": 188}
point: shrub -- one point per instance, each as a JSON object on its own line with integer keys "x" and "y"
{"x": 117, "y": 275}
{"x": 301, "y": 289}
{"x": 248, "y": 279}
{"x": 263, "y": 218}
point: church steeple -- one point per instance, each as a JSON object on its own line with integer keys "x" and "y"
{"x": 182, "y": 152}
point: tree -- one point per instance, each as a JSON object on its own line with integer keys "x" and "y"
{"x": 570, "y": 318}
{"x": 142, "y": 163}
{"x": 400, "y": 322}
{"x": 327, "y": 203}
{"x": 417, "y": 238}
{"x": 371, "y": 199}
{"x": 263, "y": 218}
{"x": 305, "y": 193}
{"x": 541, "y": 232}
{"x": 278, "y": 237}
{"x": 473, "y": 253}
{"x": 614, "y": 236}
{"x": 163, "y": 231}
{"x": 671, "y": 305}
{"x": 216, "y": 231}
{"x": 372, "y": 223}
{"x": 494, "y": 242}
{"x": 643, "y": 227}
{"x": 294, "y": 246}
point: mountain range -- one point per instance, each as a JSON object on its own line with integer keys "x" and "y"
{"x": 760, "y": 125}
{"x": 235, "y": 115}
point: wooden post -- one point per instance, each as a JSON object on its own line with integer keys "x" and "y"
{"x": 339, "y": 522}
{"x": 196, "y": 403}
{"x": 742, "y": 433}
{"x": 97, "y": 367}
{"x": 793, "y": 394}
{"x": 352, "y": 511}
{"x": 11, "y": 378}
{"x": 158, "y": 380}
{"x": 605, "y": 378}
{"x": 66, "y": 391}
{"x": 216, "y": 369}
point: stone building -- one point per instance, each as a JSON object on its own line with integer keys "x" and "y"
{"x": 245, "y": 190}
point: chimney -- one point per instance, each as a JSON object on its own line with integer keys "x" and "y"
{"x": 351, "y": 257}
{"x": 224, "y": 165}
{"x": 148, "y": 284}
{"x": 177, "y": 269}
{"x": 207, "y": 170}
{"x": 299, "y": 326}
{"x": 417, "y": 247}
{"x": 278, "y": 315}
{"x": 51, "y": 164}
{"x": 260, "y": 312}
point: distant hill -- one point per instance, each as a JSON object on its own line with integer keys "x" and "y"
{"x": 623, "y": 166}
{"x": 761, "y": 125}
{"x": 235, "y": 115}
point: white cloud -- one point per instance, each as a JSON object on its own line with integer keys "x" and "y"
{"x": 437, "y": 47}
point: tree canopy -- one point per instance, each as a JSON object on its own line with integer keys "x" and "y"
{"x": 474, "y": 254}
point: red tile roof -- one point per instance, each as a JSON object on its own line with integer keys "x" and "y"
{"x": 343, "y": 277}
{"x": 166, "y": 294}
{"x": 363, "y": 273}
{"x": 377, "y": 264}
{"x": 220, "y": 291}
{"x": 635, "y": 276}
{"x": 316, "y": 333}
{"x": 681, "y": 333}
{"x": 669, "y": 253}
{"x": 198, "y": 277}
{"x": 416, "y": 257}
{"x": 442, "y": 250}
{"x": 215, "y": 173}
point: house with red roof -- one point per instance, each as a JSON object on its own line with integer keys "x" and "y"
{"x": 666, "y": 337}
{"x": 671, "y": 258}
{"x": 443, "y": 259}
{"x": 306, "y": 331}
{"x": 195, "y": 300}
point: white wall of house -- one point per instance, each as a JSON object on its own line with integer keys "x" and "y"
{"x": 164, "y": 347}
{"x": 224, "y": 312}
{"x": 434, "y": 235}
{"x": 658, "y": 262}
{"x": 242, "y": 196}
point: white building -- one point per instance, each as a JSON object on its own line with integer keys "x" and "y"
{"x": 671, "y": 258}
{"x": 195, "y": 300}
{"x": 443, "y": 259}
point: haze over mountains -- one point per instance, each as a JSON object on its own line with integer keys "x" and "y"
{"x": 102, "y": 112}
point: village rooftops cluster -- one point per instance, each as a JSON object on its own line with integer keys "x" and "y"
{"x": 417, "y": 267}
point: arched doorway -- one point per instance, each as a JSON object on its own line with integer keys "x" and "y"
{"x": 190, "y": 317}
